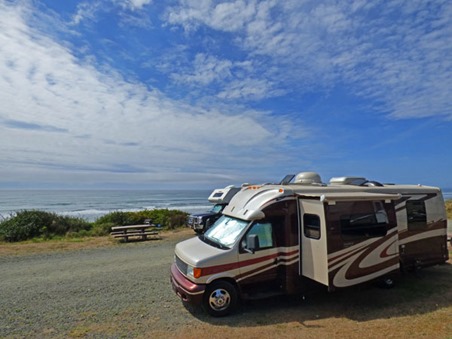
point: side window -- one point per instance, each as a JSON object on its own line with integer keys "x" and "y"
{"x": 265, "y": 234}
{"x": 311, "y": 226}
{"x": 416, "y": 215}
{"x": 362, "y": 220}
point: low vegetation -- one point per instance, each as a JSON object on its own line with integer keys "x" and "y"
{"x": 449, "y": 209}
{"x": 34, "y": 224}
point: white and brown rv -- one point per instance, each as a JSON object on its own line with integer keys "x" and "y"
{"x": 276, "y": 238}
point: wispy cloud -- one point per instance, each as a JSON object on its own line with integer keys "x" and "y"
{"x": 226, "y": 16}
{"x": 138, "y": 4}
{"x": 212, "y": 89}
{"x": 50, "y": 90}
{"x": 227, "y": 79}
{"x": 399, "y": 58}
{"x": 206, "y": 69}
{"x": 249, "y": 89}
{"x": 130, "y": 11}
{"x": 30, "y": 126}
{"x": 86, "y": 11}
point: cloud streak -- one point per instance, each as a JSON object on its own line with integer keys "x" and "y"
{"x": 399, "y": 58}
{"x": 102, "y": 118}
{"x": 210, "y": 91}
{"x": 30, "y": 126}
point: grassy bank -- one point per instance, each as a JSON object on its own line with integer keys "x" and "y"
{"x": 40, "y": 225}
{"x": 43, "y": 226}
{"x": 449, "y": 209}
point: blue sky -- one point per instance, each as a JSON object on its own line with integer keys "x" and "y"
{"x": 201, "y": 94}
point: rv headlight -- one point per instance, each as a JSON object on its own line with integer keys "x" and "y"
{"x": 194, "y": 272}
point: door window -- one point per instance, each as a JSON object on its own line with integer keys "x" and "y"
{"x": 264, "y": 232}
{"x": 311, "y": 224}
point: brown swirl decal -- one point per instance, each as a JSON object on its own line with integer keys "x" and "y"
{"x": 364, "y": 261}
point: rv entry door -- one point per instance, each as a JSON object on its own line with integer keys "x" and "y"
{"x": 313, "y": 240}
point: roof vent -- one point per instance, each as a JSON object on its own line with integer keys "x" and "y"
{"x": 348, "y": 181}
{"x": 308, "y": 178}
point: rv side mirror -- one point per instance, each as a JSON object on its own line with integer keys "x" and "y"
{"x": 252, "y": 243}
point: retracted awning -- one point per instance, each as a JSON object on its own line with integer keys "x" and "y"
{"x": 351, "y": 196}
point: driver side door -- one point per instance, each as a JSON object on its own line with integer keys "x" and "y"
{"x": 259, "y": 270}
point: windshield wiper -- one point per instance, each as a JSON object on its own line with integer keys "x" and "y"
{"x": 220, "y": 245}
{"x": 212, "y": 242}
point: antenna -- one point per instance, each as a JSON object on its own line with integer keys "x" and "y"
{"x": 287, "y": 179}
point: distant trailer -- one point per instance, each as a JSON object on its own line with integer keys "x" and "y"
{"x": 220, "y": 197}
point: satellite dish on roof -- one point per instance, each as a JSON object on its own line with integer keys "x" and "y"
{"x": 307, "y": 178}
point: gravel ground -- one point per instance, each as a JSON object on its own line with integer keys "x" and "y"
{"x": 71, "y": 293}
{"x": 123, "y": 291}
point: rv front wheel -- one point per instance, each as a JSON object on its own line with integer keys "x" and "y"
{"x": 220, "y": 298}
{"x": 387, "y": 283}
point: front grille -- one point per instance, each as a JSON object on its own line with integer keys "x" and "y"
{"x": 190, "y": 221}
{"x": 181, "y": 265}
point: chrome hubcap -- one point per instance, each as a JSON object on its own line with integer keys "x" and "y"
{"x": 219, "y": 299}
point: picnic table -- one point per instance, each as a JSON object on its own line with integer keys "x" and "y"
{"x": 141, "y": 231}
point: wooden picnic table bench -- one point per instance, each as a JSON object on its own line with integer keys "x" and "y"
{"x": 141, "y": 231}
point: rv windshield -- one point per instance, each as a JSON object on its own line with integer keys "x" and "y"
{"x": 217, "y": 208}
{"x": 226, "y": 231}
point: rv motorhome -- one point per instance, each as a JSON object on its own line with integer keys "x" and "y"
{"x": 220, "y": 197}
{"x": 277, "y": 238}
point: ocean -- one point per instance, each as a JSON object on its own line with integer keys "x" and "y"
{"x": 92, "y": 204}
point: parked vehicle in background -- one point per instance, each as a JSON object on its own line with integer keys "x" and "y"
{"x": 279, "y": 239}
{"x": 449, "y": 231}
{"x": 220, "y": 197}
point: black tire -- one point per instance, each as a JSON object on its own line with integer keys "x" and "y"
{"x": 386, "y": 283}
{"x": 220, "y": 298}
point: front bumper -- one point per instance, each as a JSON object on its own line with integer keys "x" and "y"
{"x": 198, "y": 226}
{"x": 195, "y": 224}
{"x": 188, "y": 291}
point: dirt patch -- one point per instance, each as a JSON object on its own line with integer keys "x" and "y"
{"x": 68, "y": 244}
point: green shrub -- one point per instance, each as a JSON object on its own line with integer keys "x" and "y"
{"x": 166, "y": 218}
{"x": 449, "y": 209}
{"x": 99, "y": 230}
{"x": 118, "y": 218}
{"x": 30, "y": 224}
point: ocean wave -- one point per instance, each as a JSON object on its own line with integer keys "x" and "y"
{"x": 93, "y": 214}
{"x": 91, "y": 205}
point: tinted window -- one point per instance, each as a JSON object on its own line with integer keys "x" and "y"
{"x": 416, "y": 215}
{"x": 217, "y": 208}
{"x": 311, "y": 224}
{"x": 362, "y": 220}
